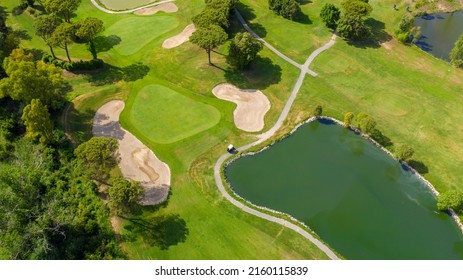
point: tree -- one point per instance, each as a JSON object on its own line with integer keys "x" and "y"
{"x": 451, "y": 199}
{"x": 87, "y": 29}
{"x": 317, "y": 112}
{"x": 289, "y": 9}
{"x": 45, "y": 25}
{"x": 211, "y": 16}
{"x": 348, "y": 119}
{"x": 456, "y": 55}
{"x": 97, "y": 157}
{"x": 352, "y": 27}
{"x": 123, "y": 195}
{"x": 63, "y": 8}
{"x": 365, "y": 123}
{"x": 330, "y": 15}
{"x": 29, "y": 80}
{"x": 63, "y": 37}
{"x": 404, "y": 152}
{"x": 356, "y": 7}
{"x": 209, "y": 38}
{"x": 37, "y": 120}
{"x": 243, "y": 50}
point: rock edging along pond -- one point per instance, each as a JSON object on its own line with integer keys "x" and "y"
{"x": 405, "y": 167}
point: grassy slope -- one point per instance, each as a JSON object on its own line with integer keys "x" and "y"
{"x": 197, "y": 222}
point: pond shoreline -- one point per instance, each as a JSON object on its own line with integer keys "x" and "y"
{"x": 356, "y": 131}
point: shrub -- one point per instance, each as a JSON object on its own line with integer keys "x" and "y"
{"x": 81, "y": 65}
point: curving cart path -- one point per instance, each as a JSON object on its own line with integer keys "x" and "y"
{"x": 103, "y": 9}
{"x": 263, "y": 137}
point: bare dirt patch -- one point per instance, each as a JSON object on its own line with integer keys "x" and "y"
{"x": 166, "y": 8}
{"x": 137, "y": 162}
{"x": 180, "y": 38}
{"x": 252, "y": 105}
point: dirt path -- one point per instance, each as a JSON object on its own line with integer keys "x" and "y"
{"x": 251, "y": 106}
{"x": 137, "y": 162}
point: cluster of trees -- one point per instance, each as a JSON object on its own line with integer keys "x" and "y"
{"x": 407, "y": 31}
{"x": 450, "y": 199}
{"x": 8, "y": 41}
{"x": 456, "y": 55}
{"x": 289, "y": 9}
{"x": 212, "y": 24}
{"x": 350, "y": 23}
{"x": 57, "y": 30}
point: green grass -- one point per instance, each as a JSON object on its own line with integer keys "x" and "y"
{"x": 160, "y": 114}
{"x": 118, "y": 5}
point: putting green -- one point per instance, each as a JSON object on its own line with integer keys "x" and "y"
{"x": 137, "y": 32}
{"x": 166, "y": 116}
{"x": 120, "y": 5}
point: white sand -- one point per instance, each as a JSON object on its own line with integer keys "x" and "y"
{"x": 180, "y": 38}
{"x": 137, "y": 162}
{"x": 252, "y": 105}
{"x": 166, "y": 8}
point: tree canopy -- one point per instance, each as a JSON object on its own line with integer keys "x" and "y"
{"x": 87, "y": 29}
{"x": 243, "y": 50}
{"x": 317, "y": 112}
{"x": 356, "y": 7}
{"x": 123, "y": 196}
{"x": 97, "y": 156}
{"x": 45, "y": 25}
{"x": 352, "y": 26}
{"x": 63, "y": 37}
{"x": 450, "y": 199}
{"x": 330, "y": 15}
{"x": 404, "y": 152}
{"x": 348, "y": 117}
{"x": 456, "y": 55}
{"x": 37, "y": 120}
{"x": 209, "y": 38}
{"x": 62, "y": 8}
{"x": 289, "y": 9}
{"x": 29, "y": 80}
{"x": 365, "y": 123}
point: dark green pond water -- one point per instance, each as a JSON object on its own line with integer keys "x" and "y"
{"x": 354, "y": 196}
{"x": 440, "y": 32}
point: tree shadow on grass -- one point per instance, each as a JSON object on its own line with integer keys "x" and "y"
{"x": 418, "y": 166}
{"x": 105, "y": 43}
{"x": 261, "y": 74}
{"x": 246, "y": 11}
{"x": 248, "y": 15}
{"x": 36, "y": 53}
{"x": 113, "y": 74}
{"x": 162, "y": 231}
{"x": 22, "y": 35}
{"x": 377, "y": 37}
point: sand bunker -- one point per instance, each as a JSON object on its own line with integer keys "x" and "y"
{"x": 179, "y": 39}
{"x": 137, "y": 161}
{"x": 252, "y": 105}
{"x": 166, "y": 8}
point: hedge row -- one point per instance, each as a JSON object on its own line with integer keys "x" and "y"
{"x": 75, "y": 65}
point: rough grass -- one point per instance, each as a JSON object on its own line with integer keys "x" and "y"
{"x": 166, "y": 116}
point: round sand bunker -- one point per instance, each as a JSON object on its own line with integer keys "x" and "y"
{"x": 252, "y": 105}
{"x": 180, "y": 38}
{"x": 166, "y": 8}
{"x": 137, "y": 162}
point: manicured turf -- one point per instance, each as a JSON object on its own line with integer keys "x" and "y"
{"x": 117, "y": 5}
{"x": 166, "y": 116}
{"x": 136, "y": 32}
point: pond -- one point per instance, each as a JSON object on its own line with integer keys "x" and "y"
{"x": 354, "y": 196}
{"x": 439, "y": 32}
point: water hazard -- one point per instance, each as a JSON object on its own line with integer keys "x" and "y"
{"x": 440, "y": 32}
{"x": 354, "y": 196}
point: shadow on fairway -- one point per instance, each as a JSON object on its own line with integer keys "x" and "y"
{"x": 161, "y": 231}
{"x": 260, "y": 75}
{"x": 377, "y": 37}
{"x": 112, "y": 74}
{"x": 105, "y": 43}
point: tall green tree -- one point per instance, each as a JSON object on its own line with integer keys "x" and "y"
{"x": 289, "y": 9}
{"x": 63, "y": 37}
{"x": 365, "y": 123}
{"x": 37, "y": 120}
{"x": 356, "y": 7}
{"x": 450, "y": 199}
{"x": 29, "y": 80}
{"x": 456, "y": 55}
{"x": 97, "y": 156}
{"x": 353, "y": 27}
{"x": 404, "y": 152}
{"x": 123, "y": 196}
{"x": 317, "y": 112}
{"x": 330, "y": 15}
{"x": 63, "y": 8}
{"x": 209, "y": 38}
{"x": 87, "y": 29}
{"x": 45, "y": 25}
{"x": 210, "y": 17}
{"x": 348, "y": 117}
{"x": 243, "y": 50}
